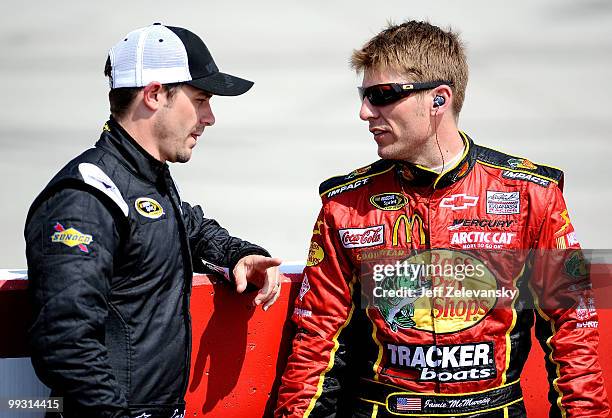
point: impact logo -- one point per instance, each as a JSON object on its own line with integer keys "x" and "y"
{"x": 71, "y": 237}
{"x": 350, "y": 186}
{"x": 149, "y": 208}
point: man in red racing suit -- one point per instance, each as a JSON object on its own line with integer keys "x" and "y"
{"x": 457, "y": 344}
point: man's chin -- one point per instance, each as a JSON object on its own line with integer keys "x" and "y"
{"x": 183, "y": 157}
{"x": 386, "y": 153}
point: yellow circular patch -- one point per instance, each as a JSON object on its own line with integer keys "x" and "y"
{"x": 315, "y": 254}
{"x": 149, "y": 208}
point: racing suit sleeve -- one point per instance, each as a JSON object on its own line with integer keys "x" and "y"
{"x": 70, "y": 244}
{"x": 315, "y": 373}
{"x": 210, "y": 241}
{"x": 566, "y": 319}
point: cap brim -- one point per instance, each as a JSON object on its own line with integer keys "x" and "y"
{"x": 222, "y": 84}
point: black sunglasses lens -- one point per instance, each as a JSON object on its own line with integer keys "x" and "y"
{"x": 380, "y": 95}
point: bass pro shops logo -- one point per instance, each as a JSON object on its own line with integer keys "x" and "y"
{"x": 71, "y": 237}
{"x": 438, "y": 293}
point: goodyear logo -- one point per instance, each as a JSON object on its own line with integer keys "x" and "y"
{"x": 71, "y": 237}
{"x": 388, "y": 201}
{"x": 315, "y": 254}
{"x": 149, "y": 208}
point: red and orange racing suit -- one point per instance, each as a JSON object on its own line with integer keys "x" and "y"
{"x": 457, "y": 344}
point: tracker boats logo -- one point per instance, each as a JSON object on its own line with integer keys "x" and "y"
{"x": 445, "y": 363}
{"x": 71, "y": 237}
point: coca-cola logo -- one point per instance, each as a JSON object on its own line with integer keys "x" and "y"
{"x": 362, "y": 237}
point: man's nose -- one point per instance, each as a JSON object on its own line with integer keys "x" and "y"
{"x": 207, "y": 117}
{"x": 367, "y": 110}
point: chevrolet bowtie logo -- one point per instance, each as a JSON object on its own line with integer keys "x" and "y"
{"x": 459, "y": 201}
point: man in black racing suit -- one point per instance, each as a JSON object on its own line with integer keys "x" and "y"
{"x": 111, "y": 246}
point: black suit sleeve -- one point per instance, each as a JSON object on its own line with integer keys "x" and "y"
{"x": 212, "y": 242}
{"x": 71, "y": 239}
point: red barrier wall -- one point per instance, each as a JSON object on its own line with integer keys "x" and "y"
{"x": 239, "y": 352}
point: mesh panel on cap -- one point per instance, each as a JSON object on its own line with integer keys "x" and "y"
{"x": 123, "y": 59}
{"x": 168, "y": 54}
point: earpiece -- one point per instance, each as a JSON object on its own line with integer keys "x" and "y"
{"x": 438, "y": 101}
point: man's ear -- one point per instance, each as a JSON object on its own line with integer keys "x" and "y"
{"x": 153, "y": 95}
{"x": 441, "y": 99}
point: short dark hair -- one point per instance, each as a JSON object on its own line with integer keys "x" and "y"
{"x": 121, "y": 99}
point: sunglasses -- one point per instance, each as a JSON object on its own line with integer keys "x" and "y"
{"x": 384, "y": 94}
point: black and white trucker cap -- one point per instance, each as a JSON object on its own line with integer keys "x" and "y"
{"x": 169, "y": 54}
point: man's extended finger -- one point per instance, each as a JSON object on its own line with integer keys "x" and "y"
{"x": 275, "y": 297}
{"x": 266, "y": 262}
{"x": 240, "y": 277}
{"x": 267, "y": 291}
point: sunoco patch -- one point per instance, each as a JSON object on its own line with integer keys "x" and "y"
{"x": 71, "y": 237}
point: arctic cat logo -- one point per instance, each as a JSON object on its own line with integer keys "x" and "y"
{"x": 482, "y": 239}
{"x": 445, "y": 363}
{"x": 350, "y": 186}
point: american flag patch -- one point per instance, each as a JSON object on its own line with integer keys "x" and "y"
{"x": 408, "y": 404}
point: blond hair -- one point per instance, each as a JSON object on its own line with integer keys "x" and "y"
{"x": 419, "y": 50}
